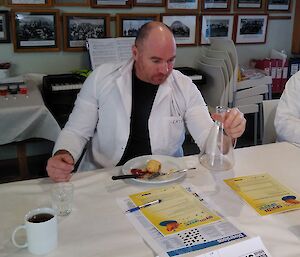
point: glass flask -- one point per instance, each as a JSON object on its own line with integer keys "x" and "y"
{"x": 218, "y": 151}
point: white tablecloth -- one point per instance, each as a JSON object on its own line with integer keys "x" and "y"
{"x": 24, "y": 117}
{"x": 97, "y": 226}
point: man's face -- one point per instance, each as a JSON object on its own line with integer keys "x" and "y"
{"x": 155, "y": 58}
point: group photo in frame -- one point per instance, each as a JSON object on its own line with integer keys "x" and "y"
{"x": 29, "y": 3}
{"x": 111, "y": 3}
{"x": 183, "y": 5}
{"x": 278, "y": 5}
{"x": 249, "y": 5}
{"x": 36, "y": 30}
{"x": 184, "y": 28}
{"x": 78, "y": 27}
{"x": 129, "y": 24}
{"x": 149, "y": 3}
{"x": 215, "y": 5}
{"x": 4, "y": 27}
{"x": 216, "y": 26}
{"x": 251, "y": 28}
{"x": 71, "y": 2}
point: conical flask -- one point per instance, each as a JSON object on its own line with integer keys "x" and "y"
{"x": 218, "y": 151}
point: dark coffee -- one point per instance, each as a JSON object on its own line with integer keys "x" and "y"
{"x": 41, "y": 217}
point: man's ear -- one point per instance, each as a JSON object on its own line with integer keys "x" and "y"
{"x": 134, "y": 52}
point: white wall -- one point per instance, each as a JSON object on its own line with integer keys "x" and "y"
{"x": 279, "y": 36}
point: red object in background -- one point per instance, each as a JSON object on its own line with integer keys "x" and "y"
{"x": 23, "y": 90}
{"x": 3, "y": 90}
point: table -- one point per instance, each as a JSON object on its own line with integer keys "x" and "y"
{"x": 24, "y": 117}
{"x": 97, "y": 226}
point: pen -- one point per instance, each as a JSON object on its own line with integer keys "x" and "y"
{"x": 144, "y": 205}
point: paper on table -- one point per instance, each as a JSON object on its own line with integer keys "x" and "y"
{"x": 264, "y": 193}
{"x": 251, "y": 247}
{"x": 182, "y": 242}
{"x": 109, "y": 50}
{"x": 177, "y": 211}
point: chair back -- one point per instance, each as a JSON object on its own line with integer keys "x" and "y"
{"x": 269, "y": 111}
{"x": 213, "y": 91}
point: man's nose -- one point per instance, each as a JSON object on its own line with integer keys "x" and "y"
{"x": 164, "y": 68}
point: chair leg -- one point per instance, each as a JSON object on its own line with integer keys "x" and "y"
{"x": 261, "y": 125}
{"x": 255, "y": 129}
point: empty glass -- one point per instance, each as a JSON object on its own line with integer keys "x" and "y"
{"x": 62, "y": 198}
{"x": 218, "y": 151}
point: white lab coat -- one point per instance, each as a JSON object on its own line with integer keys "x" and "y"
{"x": 287, "y": 118}
{"x": 101, "y": 117}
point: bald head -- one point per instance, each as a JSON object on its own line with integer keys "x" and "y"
{"x": 152, "y": 27}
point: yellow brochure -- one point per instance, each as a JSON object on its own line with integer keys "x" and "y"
{"x": 264, "y": 193}
{"x": 177, "y": 211}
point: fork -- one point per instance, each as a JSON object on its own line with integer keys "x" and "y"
{"x": 158, "y": 174}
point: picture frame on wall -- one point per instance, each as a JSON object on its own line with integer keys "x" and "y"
{"x": 216, "y": 26}
{"x": 4, "y": 27}
{"x": 78, "y": 27}
{"x": 184, "y": 28}
{"x": 149, "y": 3}
{"x": 36, "y": 30}
{"x": 279, "y": 5}
{"x": 251, "y": 28}
{"x": 183, "y": 5}
{"x": 128, "y": 25}
{"x": 215, "y": 5}
{"x": 29, "y": 3}
{"x": 111, "y": 3}
{"x": 71, "y": 2}
{"x": 249, "y": 5}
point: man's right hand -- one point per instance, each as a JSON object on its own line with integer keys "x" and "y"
{"x": 60, "y": 166}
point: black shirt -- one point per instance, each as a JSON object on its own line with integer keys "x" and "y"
{"x": 143, "y": 95}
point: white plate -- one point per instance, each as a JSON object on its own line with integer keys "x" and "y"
{"x": 167, "y": 163}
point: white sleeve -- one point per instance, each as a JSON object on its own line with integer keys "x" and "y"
{"x": 197, "y": 117}
{"x": 82, "y": 121}
{"x": 287, "y": 118}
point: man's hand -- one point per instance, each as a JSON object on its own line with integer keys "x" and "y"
{"x": 60, "y": 166}
{"x": 233, "y": 121}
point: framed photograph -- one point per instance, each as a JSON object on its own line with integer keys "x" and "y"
{"x": 184, "y": 28}
{"x": 4, "y": 27}
{"x": 111, "y": 3}
{"x": 149, "y": 3}
{"x": 183, "y": 5}
{"x": 71, "y": 2}
{"x": 215, "y": 5}
{"x": 29, "y": 3}
{"x": 251, "y": 28}
{"x": 278, "y": 5}
{"x": 128, "y": 25}
{"x": 36, "y": 30}
{"x": 78, "y": 27}
{"x": 249, "y": 5}
{"x": 212, "y": 26}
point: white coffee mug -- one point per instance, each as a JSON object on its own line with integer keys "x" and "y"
{"x": 41, "y": 231}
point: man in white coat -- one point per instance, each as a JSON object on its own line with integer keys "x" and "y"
{"x": 135, "y": 108}
{"x": 287, "y": 118}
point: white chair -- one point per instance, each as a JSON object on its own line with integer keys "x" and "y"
{"x": 244, "y": 94}
{"x": 213, "y": 91}
{"x": 269, "y": 111}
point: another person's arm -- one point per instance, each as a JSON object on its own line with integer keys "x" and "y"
{"x": 287, "y": 118}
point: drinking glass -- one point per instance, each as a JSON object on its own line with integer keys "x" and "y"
{"x": 218, "y": 151}
{"x": 62, "y": 198}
